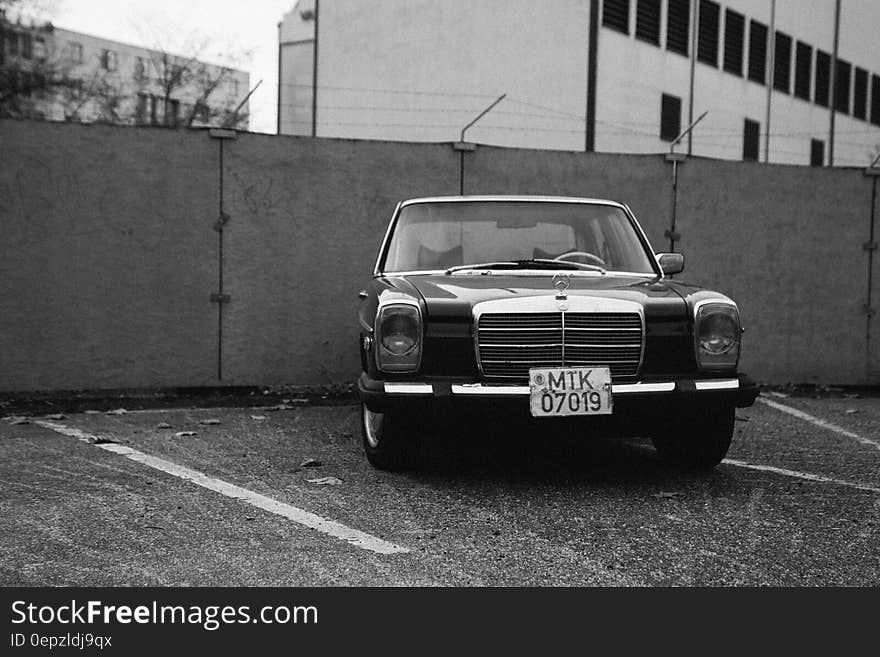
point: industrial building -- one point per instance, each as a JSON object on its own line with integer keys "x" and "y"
{"x": 786, "y": 81}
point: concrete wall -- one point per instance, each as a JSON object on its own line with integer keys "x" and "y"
{"x": 109, "y": 257}
{"x": 787, "y": 244}
{"x": 308, "y": 217}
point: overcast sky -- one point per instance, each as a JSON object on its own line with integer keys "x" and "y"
{"x": 230, "y": 26}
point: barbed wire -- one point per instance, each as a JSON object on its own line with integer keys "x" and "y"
{"x": 733, "y": 133}
{"x": 804, "y": 153}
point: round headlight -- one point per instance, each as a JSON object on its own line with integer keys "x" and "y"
{"x": 719, "y": 333}
{"x": 400, "y": 331}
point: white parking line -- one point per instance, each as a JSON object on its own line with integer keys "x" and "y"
{"x": 785, "y": 472}
{"x": 820, "y": 422}
{"x": 300, "y": 516}
{"x": 801, "y": 475}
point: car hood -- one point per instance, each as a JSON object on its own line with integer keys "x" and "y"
{"x": 453, "y": 297}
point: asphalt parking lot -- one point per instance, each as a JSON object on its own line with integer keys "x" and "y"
{"x": 253, "y": 496}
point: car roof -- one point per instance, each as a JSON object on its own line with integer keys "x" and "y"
{"x": 538, "y": 199}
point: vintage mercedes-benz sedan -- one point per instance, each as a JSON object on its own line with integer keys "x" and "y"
{"x": 553, "y": 307}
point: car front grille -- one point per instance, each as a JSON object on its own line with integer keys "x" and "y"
{"x": 509, "y": 344}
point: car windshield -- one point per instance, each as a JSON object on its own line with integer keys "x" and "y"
{"x": 502, "y": 234}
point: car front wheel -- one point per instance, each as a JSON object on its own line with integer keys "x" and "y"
{"x": 390, "y": 439}
{"x": 697, "y": 437}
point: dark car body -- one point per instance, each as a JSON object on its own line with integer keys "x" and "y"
{"x": 654, "y": 373}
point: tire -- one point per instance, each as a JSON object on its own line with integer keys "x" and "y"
{"x": 698, "y": 437}
{"x": 390, "y": 439}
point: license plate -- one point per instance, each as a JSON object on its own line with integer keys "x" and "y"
{"x": 557, "y": 392}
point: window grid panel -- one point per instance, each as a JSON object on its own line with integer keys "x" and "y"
{"x": 860, "y": 94}
{"x": 817, "y": 153}
{"x": 670, "y": 117}
{"x": 751, "y": 140}
{"x": 678, "y": 28}
{"x": 875, "y": 99}
{"x": 758, "y": 52}
{"x": 615, "y": 14}
{"x": 648, "y": 21}
{"x": 707, "y": 44}
{"x": 782, "y": 63}
{"x": 734, "y": 37}
{"x": 803, "y": 70}
{"x": 822, "y": 92}
{"x": 842, "y": 76}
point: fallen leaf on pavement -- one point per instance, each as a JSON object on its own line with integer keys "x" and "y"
{"x": 209, "y": 421}
{"x": 117, "y": 411}
{"x": 311, "y": 463}
{"x": 163, "y": 425}
{"x": 55, "y": 416}
{"x": 258, "y": 417}
{"x": 326, "y": 481}
{"x": 184, "y": 434}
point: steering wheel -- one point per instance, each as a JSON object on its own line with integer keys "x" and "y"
{"x": 582, "y": 254}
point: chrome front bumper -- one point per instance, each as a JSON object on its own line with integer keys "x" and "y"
{"x": 476, "y": 389}
{"x": 641, "y": 396}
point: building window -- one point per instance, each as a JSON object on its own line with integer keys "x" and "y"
{"x": 670, "y": 117}
{"x": 782, "y": 63}
{"x": 40, "y": 83}
{"x": 39, "y": 48}
{"x": 875, "y": 99}
{"x": 76, "y": 53}
{"x": 751, "y": 140}
{"x": 141, "y": 108}
{"x": 108, "y": 60}
{"x": 817, "y": 153}
{"x": 648, "y": 21}
{"x": 842, "y": 75}
{"x": 202, "y": 112}
{"x": 139, "y": 68}
{"x": 172, "y": 112}
{"x": 734, "y": 39}
{"x": 707, "y": 45}
{"x": 27, "y": 46}
{"x": 678, "y": 30}
{"x": 615, "y": 14}
{"x": 822, "y": 92}
{"x": 860, "y": 94}
{"x": 154, "y": 110}
{"x": 23, "y": 83}
{"x": 757, "y": 52}
{"x": 12, "y": 38}
{"x": 803, "y": 70}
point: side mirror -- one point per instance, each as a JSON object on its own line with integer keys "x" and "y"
{"x": 671, "y": 263}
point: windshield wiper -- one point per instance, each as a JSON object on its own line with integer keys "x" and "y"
{"x": 546, "y": 263}
{"x": 534, "y": 263}
{"x": 483, "y": 265}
